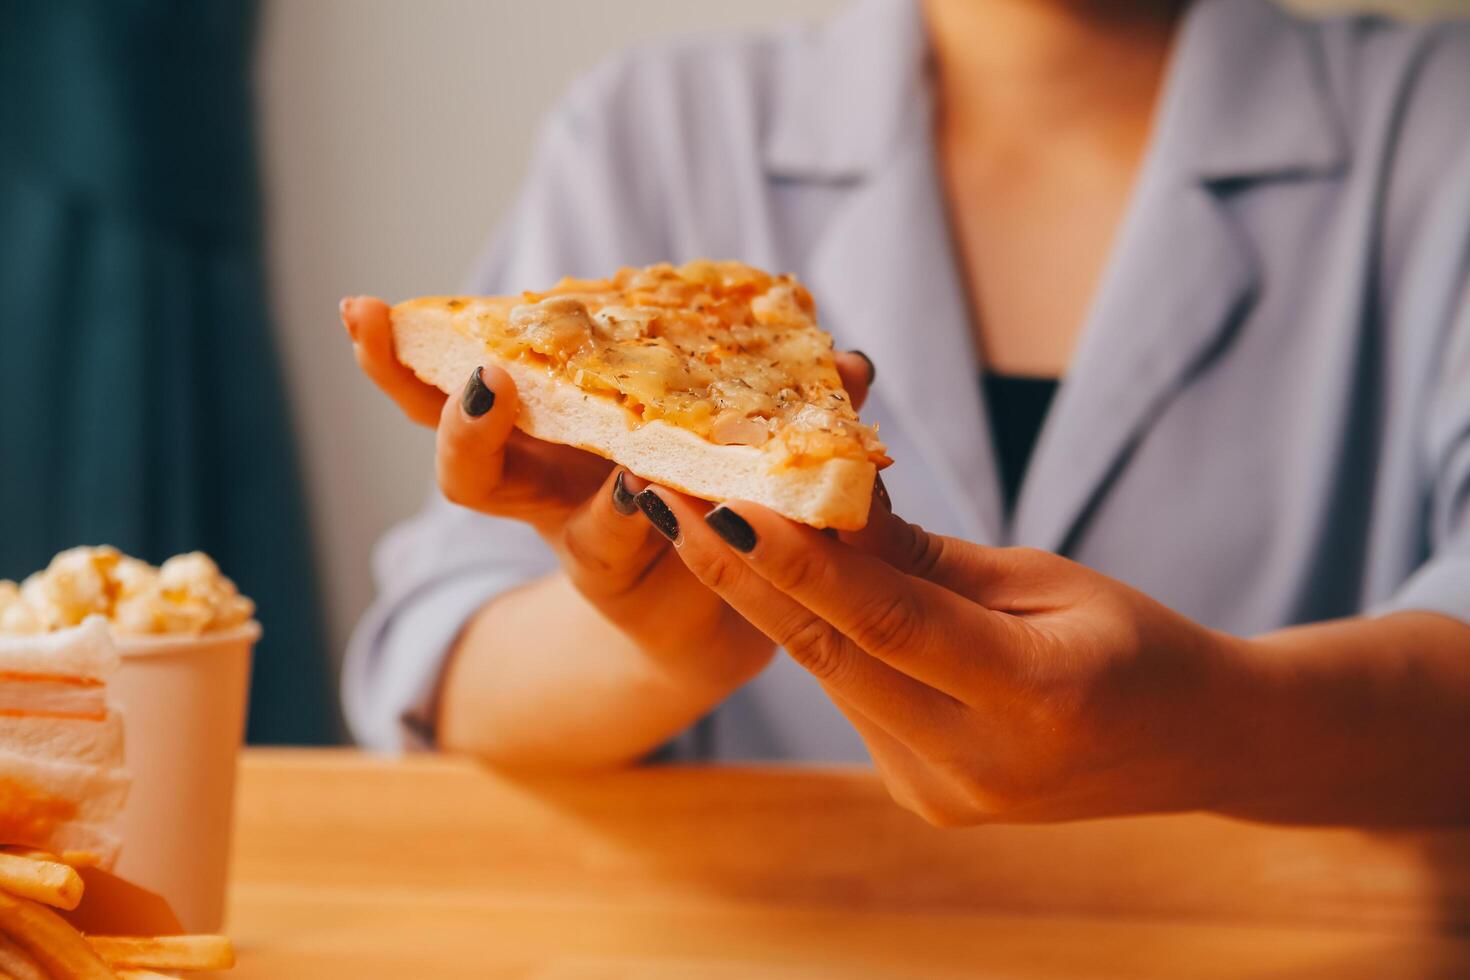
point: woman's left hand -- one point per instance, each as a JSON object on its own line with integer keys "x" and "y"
{"x": 988, "y": 683}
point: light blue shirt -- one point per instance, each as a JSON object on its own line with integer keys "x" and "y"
{"x": 1267, "y": 420}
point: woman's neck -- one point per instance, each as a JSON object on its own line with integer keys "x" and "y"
{"x": 1011, "y": 73}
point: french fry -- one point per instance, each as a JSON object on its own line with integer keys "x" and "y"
{"x": 80, "y": 859}
{"x": 52, "y": 942}
{"x": 37, "y": 944}
{"x": 41, "y": 879}
{"x": 15, "y": 962}
{"x": 165, "y": 952}
{"x": 75, "y": 859}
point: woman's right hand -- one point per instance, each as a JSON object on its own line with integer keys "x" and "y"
{"x": 580, "y": 503}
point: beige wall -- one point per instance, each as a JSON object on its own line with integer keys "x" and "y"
{"x": 394, "y": 133}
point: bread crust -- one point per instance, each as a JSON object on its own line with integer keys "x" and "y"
{"x": 84, "y": 652}
{"x": 81, "y": 740}
{"x": 832, "y": 493}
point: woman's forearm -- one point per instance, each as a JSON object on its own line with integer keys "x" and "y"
{"x": 539, "y": 679}
{"x": 1362, "y": 721}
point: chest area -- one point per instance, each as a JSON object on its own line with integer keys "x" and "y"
{"x": 1031, "y": 246}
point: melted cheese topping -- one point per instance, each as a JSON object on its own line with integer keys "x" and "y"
{"x": 719, "y": 348}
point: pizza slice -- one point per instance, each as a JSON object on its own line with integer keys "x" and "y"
{"x": 711, "y": 378}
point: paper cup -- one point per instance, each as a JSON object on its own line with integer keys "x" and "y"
{"x": 183, "y": 700}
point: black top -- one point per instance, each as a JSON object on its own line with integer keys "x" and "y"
{"x": 1017, "y": 407}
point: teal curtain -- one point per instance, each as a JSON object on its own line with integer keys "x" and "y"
{"x": 141, "y": 401}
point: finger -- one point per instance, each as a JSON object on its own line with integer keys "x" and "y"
{"x": 369, "y": 323}
{"x": 910, "y": 710}
{"x": 608, "y": 549}
{"x": 922, "y": 629}
{"x": 857, "y": 372}
{"x": 1012, "y": 580}
{"x": 909, "y": 548}
{"x": 544, "y": 478}
{"x": 486, "y": 464}
{"x": 473, "y": 430}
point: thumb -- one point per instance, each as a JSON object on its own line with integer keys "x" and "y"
{"x": 473, "y": 430}
{"x": 858, "y": 373}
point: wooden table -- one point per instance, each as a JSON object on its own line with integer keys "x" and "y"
{"x": 352, "y": 866}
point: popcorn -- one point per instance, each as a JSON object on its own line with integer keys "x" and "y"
{"x": 72, "y": 588}
{"x": 16, "y": 615}
{"x": 188, "y": 594}
{"x": 134, "y": 577}
{"x": 193, "y": 583}
{"x": 195, "y": 571}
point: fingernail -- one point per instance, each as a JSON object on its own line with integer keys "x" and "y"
{"x": 350, "y": 324}
{"x": 658, "y": 514}
{"x": 622, "y": 500}
{"x": 478, "y": 399}
{"x": 872, "y": 368}
{"x": 729, "y": 525}
{"x": 881, "y": 492}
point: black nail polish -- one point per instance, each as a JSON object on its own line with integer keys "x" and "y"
{"x": 622, "y": 500}
{"x": 658, "y": 514}
{"x": 729, "y": 525}
{"x": 881, "y": 493}
{"x": 478, "y": 399}
{"x": 872, "y": 368}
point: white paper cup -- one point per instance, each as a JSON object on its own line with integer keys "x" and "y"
{"x": 183, "y": 700}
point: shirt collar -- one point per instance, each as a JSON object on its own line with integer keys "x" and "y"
{"x": 1246, "y": 94}
{"x": 851, "y": 91}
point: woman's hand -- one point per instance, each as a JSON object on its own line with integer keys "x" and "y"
{"x": 988, "y": 683}
{"x": 580, "y": 503}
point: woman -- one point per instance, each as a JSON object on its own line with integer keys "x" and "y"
{"x": 1244, "y": 240}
